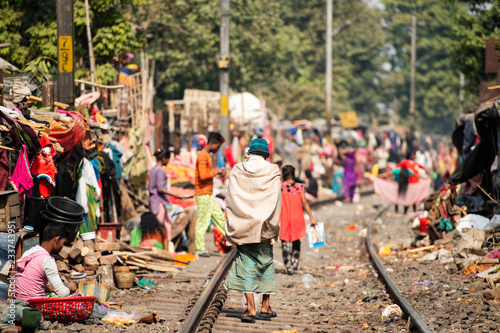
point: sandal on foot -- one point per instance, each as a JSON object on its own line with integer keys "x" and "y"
{"x": 271, "y": 314}
{"x": 247, "y": 318}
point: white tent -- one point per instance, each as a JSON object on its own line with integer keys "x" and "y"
{"x": 246, "y": 105}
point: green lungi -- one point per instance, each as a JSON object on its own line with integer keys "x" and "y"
{"x": 253, "y": 269}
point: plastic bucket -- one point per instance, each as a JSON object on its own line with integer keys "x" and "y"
{"x": 72, "y": 226}
{"x": 34, "y": 206}
{"x": 66, "y": 208}
{"x": 59, "y": 217}
{"x": 88, "y": 235}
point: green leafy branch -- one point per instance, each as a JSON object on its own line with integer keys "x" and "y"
{"x": 43, "y": 68}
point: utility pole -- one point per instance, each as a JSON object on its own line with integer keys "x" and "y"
{"x": 65, "y": 52}
{"x": 224, "y": 68}
{"x": 413, "y": 69}
{"x": 328, "y": 84}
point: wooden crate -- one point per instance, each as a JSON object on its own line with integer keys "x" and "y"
{"x": 10, "y": 210}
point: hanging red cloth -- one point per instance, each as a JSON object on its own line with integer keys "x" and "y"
{"x": 43, "y": 167}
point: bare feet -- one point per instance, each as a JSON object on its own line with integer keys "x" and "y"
{"x": 149, "y": 319}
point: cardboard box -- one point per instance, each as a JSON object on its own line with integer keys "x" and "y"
{"x": 10, "y": 211}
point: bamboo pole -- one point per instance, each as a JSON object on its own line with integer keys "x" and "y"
{"x": 93, "y": 75}
{"x": 102, "y": 86}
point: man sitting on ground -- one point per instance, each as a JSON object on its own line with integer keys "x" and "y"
{"x": 37, "y": 266}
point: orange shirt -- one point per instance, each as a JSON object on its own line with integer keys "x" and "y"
{"x": 204, "y": 177}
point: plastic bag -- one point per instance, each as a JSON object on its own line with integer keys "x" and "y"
{"x": 476, "y": 221}
{"x": 121, "y": 318}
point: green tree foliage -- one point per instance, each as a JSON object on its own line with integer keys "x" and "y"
{"x": 437, "y": 80}
{"x": 475, "y": 22}
{"x": 277, "y": 48}
{"x": 30, "y": 27}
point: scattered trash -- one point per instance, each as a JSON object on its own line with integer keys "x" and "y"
{"x": 146, "y": 284}
{"x": 338, "y": 203}
{"x": 351, "y": 227}
{"x": 494, "y": 254}
{"x": 392, "y": 311}
{"x": 308, "y": 280}
{"x": 429, "y": 256}
{"x": 363, "y": 233}
{"x": 425, "y": 283}
{"x": 445, "y": 256}
{"x": 369, "y": 298}
{"x": 468, "y": 247}
{"x": 278, "y": 265}
{"x": 489, "y": 271}
{"x": 122, "y": 318}
{"x": 476, "y": 221}
{"x": 386, "y": 250}
{"x": 490, "y": 294}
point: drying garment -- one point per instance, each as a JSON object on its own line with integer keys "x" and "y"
{"x": 4, "y": 169}
{"x": 235, "y": 149}
{"x": 110, "y": 185}
{"x": 21, "y": 176}
{"x": 43, "y": 167}
{"x": 20, "y": 133}
{"x": 139, "y": 166}
{"x": 116, "y": 155}
{"x": 388, "y": 189}
{"x": 69, "y": 135}
{"x": 87, "y": 177}
{"x": 20, "y": 90}
{"x": 229, "y": 156}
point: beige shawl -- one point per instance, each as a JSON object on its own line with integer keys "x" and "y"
{"x": 253, "y": 202}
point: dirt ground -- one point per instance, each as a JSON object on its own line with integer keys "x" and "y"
{"x": 346, "y": 295}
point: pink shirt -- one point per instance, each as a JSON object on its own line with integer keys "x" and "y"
{"x": 33, "y": 271}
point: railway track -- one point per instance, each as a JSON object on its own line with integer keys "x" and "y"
{"x": 217, "y": 310}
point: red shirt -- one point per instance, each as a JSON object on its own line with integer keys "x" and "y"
{"x": 293, "y": 224}
{"x": 413, "y": 166}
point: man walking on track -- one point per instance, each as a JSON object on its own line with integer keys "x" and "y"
{"x": 207, "y": 206}
{"x": 253, "y": 225}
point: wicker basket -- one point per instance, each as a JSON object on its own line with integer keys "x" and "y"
{"x": 64, "y": 309}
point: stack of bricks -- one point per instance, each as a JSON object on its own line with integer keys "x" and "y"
{"x": 86, "y": 257}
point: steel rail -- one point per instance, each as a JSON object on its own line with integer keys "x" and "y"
{"x": 200, "y": 307}
{"x": 415, "y": 320}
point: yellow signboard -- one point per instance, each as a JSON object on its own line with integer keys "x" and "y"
{"x": 224, "y": 106}
{"x": 349, "y": 119}
{"x": 65, "y": 52}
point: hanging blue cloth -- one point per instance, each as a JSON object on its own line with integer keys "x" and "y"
{"x": 117, "y": 155}
{"x": 95, "y": 164}
{"x": 220, "y": 159}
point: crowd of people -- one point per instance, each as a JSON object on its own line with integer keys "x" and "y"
{"x": 344, "y": 168}
{"x": 265, "y": 202}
